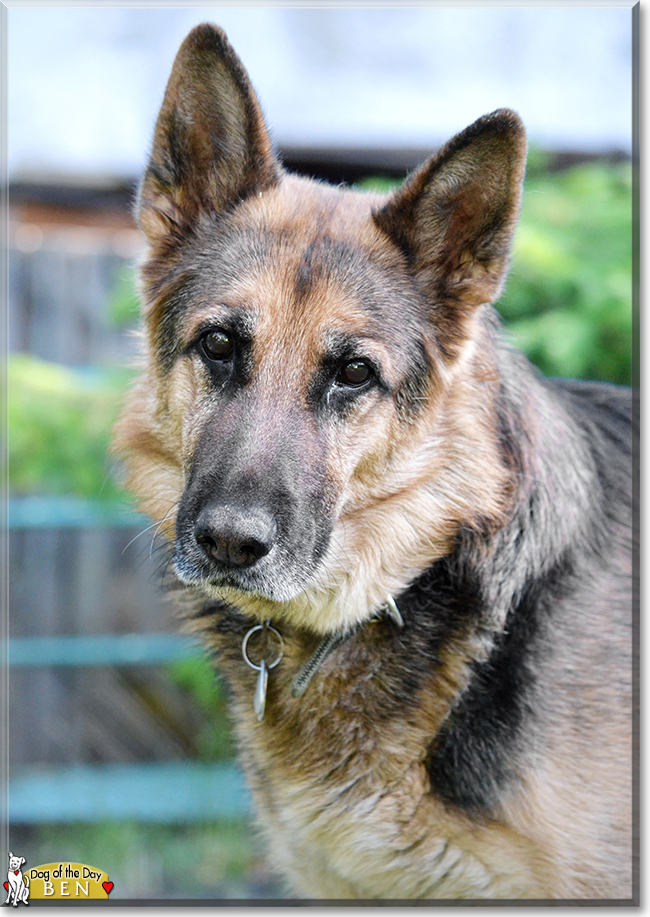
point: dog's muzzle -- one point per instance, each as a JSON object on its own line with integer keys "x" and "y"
{"x": 255, "y": 515}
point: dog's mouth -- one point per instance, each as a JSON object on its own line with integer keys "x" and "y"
{"x": 263, "y": 582}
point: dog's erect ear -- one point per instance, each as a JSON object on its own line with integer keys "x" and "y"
{"x": 210, "y": 145}
{"x": 455, "y": 216}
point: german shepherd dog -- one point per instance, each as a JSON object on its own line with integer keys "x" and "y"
{"x": 408, "y": 553}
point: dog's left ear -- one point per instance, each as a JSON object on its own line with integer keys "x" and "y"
{"x": 454, "y": 219}
{"x": 210, "y": 147}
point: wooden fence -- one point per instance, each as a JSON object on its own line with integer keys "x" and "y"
{"x": 60, "y": 296}
{"x": 86, "y": 580}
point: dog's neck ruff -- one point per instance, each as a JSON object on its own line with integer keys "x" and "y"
{"x": 323, "y": 650}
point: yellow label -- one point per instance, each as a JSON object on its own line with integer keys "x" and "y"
{"x": 67, "y": 882}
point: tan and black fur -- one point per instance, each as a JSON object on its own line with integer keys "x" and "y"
{"x": 329, "y": 416}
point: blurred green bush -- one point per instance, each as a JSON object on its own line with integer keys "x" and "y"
{"x": 59, "y": 422}
{"x": 568, "y": 298}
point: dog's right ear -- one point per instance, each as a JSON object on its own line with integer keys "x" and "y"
{"x": 454, "y": 219}
{"x": 210, "y": 146}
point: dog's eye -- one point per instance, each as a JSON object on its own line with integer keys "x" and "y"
{"x": 355, "y": 373}
{"x": 217, "y": 345}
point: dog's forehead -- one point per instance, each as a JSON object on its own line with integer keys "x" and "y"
{"x": 306, "y": 253}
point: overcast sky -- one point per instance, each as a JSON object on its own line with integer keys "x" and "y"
{"x": 85, "y": 83}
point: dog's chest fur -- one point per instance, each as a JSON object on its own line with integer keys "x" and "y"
{"x": 340, "y": 776}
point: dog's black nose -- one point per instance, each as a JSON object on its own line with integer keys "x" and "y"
{"x": 233, "y": 536}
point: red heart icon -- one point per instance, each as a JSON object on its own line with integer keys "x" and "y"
{"x": 107, "y": 886}
{"x": 6, "y": 884}
{"x": 16, "y": 871}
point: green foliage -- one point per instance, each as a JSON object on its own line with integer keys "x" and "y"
{"x": 58, "y": 424}
{"x": 124, "y": 305}
{"x": 197, "y": 677}
{"x": 568, "y": 298}
{"x": 378, "y": 184}
{"x": 221, "y": 859}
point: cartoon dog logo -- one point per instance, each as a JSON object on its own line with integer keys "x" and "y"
{"x": 17, "y": 887}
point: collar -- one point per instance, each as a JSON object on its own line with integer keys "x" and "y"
{"x": 327, "y": 646}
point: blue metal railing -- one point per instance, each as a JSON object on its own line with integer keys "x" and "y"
{"x": 38, "y": 512}
{"x": 100, "y": 649}
{"x": 171, "y": 792}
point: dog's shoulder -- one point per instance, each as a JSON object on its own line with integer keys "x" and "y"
{"x": 607, "y": 417}
{"x": 608, "y": 410}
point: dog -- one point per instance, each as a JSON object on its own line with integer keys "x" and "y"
{"x": 408, "y": 553}
{"x": 17, "y": 886}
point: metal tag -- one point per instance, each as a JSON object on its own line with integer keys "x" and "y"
{"x": 259, "y": 702}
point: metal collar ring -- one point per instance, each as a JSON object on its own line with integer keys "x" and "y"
{"x": 244, "y": 646}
